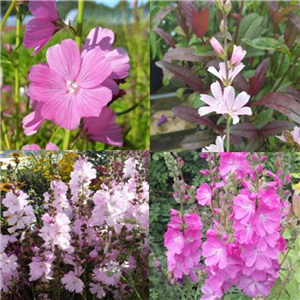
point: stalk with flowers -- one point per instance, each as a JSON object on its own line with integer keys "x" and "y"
{"x": 235, "y": 233}
{"x": 86, "y": 240}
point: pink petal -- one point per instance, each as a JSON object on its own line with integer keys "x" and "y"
{"x": 217, "y": 91}
{"x": 33, "y": 121}
{"x": 37, "y": 33}
{"x": 241, "y": 100}
{"x": 99, "y": 37}
{"x": 94, "y": 69}
{"x": 31, "y": 147}
{"x": 51, "y": 146}
{"x": 103, "y": 128}
{"x": 62, "y": 111}
{"x": 229, "y": 96}
{"x": 44, "y": 9}
{"x": 204, "y": 110}
{"x": 119, "y": 61}
{"x": 65, "y": 59}
{"x": 90, "y": 101}
{"x": 208, "y": 99}
{"x": 46, "y": 84}
{"x": 214, "y": 71}
{"x": 244, "y": 111}
{"x": 112, "y": 85}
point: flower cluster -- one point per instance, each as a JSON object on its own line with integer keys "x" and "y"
{"x": 73, "y": 86}
{"x": 79, "y": 240}
{"x": 183, "y": 241}
{"x": 248, "y": 204}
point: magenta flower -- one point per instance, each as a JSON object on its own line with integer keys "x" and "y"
{"x": 269, "y": 198}
{"x": 215, "y": 253}
{"x": 174, "y": 240}
{"x": 34, "y": 147}
{"x": 243, "y": 232}
{"x": 33, "y": 121}
{"x": 204, "y": 194}
{"x": 254, "y": 285}
{"x": 244, "y": 208}
{"x": 237, "y": 55}
{"x": 43, "y": 26}
{"x": 217, "y": 46}
{"x": 118, "y": 59}
{"x": 103, "y": 128}
{"x": 70, "y": 87}
{"x": 211, "y": 292}
{"x": 234, "y": 163}
{"x": 266, "y": 221}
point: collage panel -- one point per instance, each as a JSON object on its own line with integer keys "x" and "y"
{"x": 75, "y": 75}
{"x": 224, "y": 225}
{"x": 74, "y": 225}
{"x": 225, "y": 75}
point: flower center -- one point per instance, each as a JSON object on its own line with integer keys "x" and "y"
{"x": 72, "y": 86}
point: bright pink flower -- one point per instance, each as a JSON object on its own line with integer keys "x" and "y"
{"x": 260, "y": 259}
{"x": 34, "y": 147}
{"x": 215, "y": 253}
{"x": 237, "y": 55}
{"x": 204, "y": 194}
{"x": 211, "y": 292}
{"x": 33, "y": 121}
{"x": 174, "y": 240}
{"x": 244, "y": 208}
{"x": 43, "y": 26}
{"x": 70, "y": 87}
{"x": 103, "y": 39}
{"x": 243, "y": 233}
{"x": 269, "y": 198}
{"x": 254, "y": 285}
{"x": 235, "y": 163}
{"x": 217, "y": 46}
{"x": 103, "y": 128}
{"x": 221, "y": 74}
{"x": 266, "y": 221}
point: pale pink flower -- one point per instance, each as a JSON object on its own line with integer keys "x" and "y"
{"x": 237, "y": 55}
{"x": 103, "y": 128}
{"x": 72, "y": 282}
{"x": 8, "y": 263}
{"x": 129, "y": 167}
{"x": 118, "y": 59}
{"x": 70, "y": 86}
{"x": 97, "y": 289}
{"x": 35, "y": 147}
{"x": 204, "y": 194}
{"x": 217, "y": 147}
{"x": 15, "y": 203}
{"x": 221, "y": 74}
{"x": 215, "y": 253}
{"x": 234, "y": 106}
{"x": 43, "y": 26}
{"x": 110, "y": 274}
{"x": 214, "y": 102}
{"x": 295, "y": 133}
{"x": 217, "y": 46}
{"x": 244, "y": 208}
{"x": 39, "y": 267}
{"x": 211, "y": 292}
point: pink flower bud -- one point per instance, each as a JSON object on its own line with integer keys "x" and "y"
{"x": 217, "y": 46}
{"x": 296, "y": 204}
{"x": 237, "y": 55}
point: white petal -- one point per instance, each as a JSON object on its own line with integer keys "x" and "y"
{"x": 214, "y": 71}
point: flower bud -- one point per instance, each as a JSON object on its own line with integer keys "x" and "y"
{"x": 296, "y": 204}
{"x": 227, "y": 6}
{"x": 217, "y": 46}
{"x": 222, "y": 27}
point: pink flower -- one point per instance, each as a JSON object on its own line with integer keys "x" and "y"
{"x": 8, "y": 263}
{"x": 43, "y": 26}
{"x": 243, "y": 232}
{"x": 39, "y": 268}
{"x": 211, "y": 291}
{"x": 174, "y": 240}
{"x": 217, "y": 46}
{"x": 14, "y": 202}
{"x": 221, "y": 74}
{"x": 103, "y": 128}
{"x": 204, "y": 194}
{"x": 237, "y": 55}
{"x": 97, "y": 289}
{"x": 33, "y": 121}
{"x": 118, "y": 59}
{"x": 217, "y": 147}
{"x": 234, "y": 106}
{"x": 266, "y": 221}
{"x": 269, "y": 198}
{"x": 72, "y": 282}
{"x": 234, "y": 163}
{"x": 215, "y": 253}
{"x": 254, "y": 285}
{"x": 34, "y": 147}
{"x": 244, "y": 208}
{"x": 69, "y": 86}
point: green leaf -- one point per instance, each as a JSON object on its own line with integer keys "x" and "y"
{"x": 249, "y": 26}
{"x": 266, "y": 43}
{"x": 204, "y": 51}
{"x": 263, "y": 118}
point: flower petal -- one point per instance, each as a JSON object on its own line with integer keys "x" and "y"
{"x": 241, "y": 99}
{"x": 65, "y": 59}
{"x": 44, "y": 9}
{"x": 217, "y": 91}
{"x": 33, "y": 121}
{"x": 214, "y": 71}
{"x": 94, "y": 69}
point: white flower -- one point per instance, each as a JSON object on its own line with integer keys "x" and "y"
{"x": 221, "y": 74}
{"x": 218, "y": 147}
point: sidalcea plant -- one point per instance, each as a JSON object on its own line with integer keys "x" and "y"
{"x": 81, "y": 241}
{"x": 246, "y": 209}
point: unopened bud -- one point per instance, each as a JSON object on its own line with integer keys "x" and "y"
{"x": 222, "y": 27}
{"x": 219, "y": 4}
{"x": 227, "y": 6}
{"x": 296, "y": 204}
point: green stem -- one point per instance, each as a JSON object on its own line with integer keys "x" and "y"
{"x": 228, "y": 134}
{"x": 78, "y": 41}
{"x": 4, "y": 132}
{"x": 225, "y": 45}
{"x": 10, "y": 9}
{"x": 17, "y": 77}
